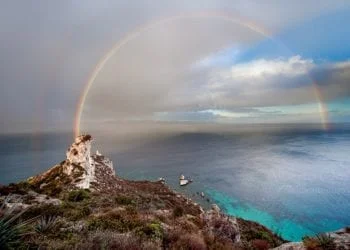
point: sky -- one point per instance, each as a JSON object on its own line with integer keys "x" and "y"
{"x": 181, "y": 63}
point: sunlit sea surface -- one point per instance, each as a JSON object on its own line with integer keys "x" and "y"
{"x": 293, "y": 182}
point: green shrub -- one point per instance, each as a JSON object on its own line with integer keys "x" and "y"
{"x": 325, "y": 241}
{"x": 78, "y": 195}
{"x": 43, "y": 210}
{"x": 178, "y": 211}
{"x": 170, "y": 236}
{"x": 45, "y": 224}
{"x": 124, "y": 200}
{"x": 75, "y": 210}
{"x": 110, "y": 240}
{"x": 320, "y": 241}
{"x": 260, "y": 235}
{"x": 102, "y": 224}
{"x": 80, "y": 213}
{"x": 120, "y": 221}
{"x": 12, "y": 229}
{"x": 131, "y": 210}
{"x": 310, "y": 243}
{"x": 187, "y": 226}
{"x": 150, "y": 231}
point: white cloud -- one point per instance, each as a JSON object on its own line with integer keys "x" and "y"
{"x": 262, "y": 72}
{"x": 227, "y": 114}
{"x": 291, "y": 67}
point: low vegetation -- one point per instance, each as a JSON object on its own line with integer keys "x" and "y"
{"x": 45, "y": 224}
{"x": 319, "y": 242}
{"x": 78, "y": 195}
{"x": 12, "y": 228}
{"x": 139, "y": 215}
{"x": 256, "y": 236}
{"x": 178, "y": 211}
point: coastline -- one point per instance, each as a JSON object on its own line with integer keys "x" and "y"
{"x": 292, "y": 231}
{"x": 85, "y": 192}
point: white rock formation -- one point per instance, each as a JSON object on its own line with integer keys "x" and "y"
{"x": 80, "y": 169}
{"x": 79, "y": 154}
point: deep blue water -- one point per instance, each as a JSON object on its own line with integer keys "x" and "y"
{"x": 295, "y": 183}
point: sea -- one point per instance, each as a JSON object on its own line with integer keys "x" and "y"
{"x": 294, "y": 181}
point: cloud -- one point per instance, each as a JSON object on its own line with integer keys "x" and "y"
{"x": 273, "y": 90}
{"x": 292, "y": 67}
{"x": 276, "y": 82}
{"x": 48, "y": 50}
{"x": 262, "y": 74}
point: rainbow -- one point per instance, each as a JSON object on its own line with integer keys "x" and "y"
{"x": 322, "y": 106}
{"x": 236, "y": 19}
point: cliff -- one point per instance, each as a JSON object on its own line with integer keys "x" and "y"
{"x": 80, "y": 169}
{"x": 82, "y": 204}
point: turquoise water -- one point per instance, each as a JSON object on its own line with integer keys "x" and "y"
{"x": 287, "y": 228}
{"x": 294, "y": 182}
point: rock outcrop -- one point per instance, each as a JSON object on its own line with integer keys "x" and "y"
{"x": 291, "y": 246}
{"x": 219, "y": 225}
{"x": 79, "y": 170}
{"x": 338, "y": 240}
{"x": 341, "y": 238}
{"x": 79, "y": 154}
{"x": 104, "y": 177}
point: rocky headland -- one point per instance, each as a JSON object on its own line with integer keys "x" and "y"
{"x": 81, "y": 203}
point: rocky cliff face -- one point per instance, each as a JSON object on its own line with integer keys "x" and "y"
{"x": 78, "y": 154}
{"x": 97, "y": 168}
{"x": 79, "y": 170}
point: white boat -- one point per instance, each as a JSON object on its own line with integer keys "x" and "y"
{"x": 183, "y": 180}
